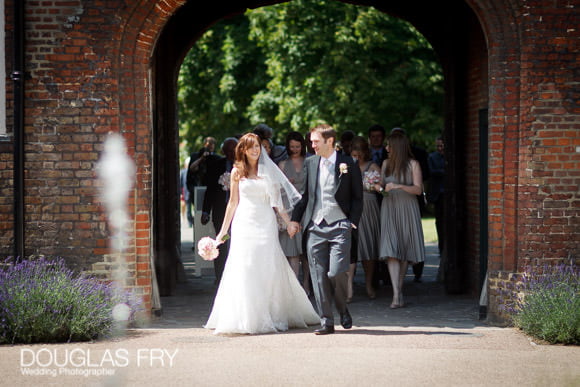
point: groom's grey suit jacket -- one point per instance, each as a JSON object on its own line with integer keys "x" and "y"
{"x": 348, "y": 194}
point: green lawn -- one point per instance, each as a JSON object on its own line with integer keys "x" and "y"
{"x": 429, "y": 229}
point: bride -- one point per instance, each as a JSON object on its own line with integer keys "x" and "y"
{"x": 259, "y": 292}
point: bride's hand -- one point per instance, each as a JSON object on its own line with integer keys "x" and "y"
{"x": 220, "y": 238}
{"x": 292, "y": 229}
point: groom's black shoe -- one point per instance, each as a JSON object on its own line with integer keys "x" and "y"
{"x": 325, "y": 330}
{"x": 346, "y": 320}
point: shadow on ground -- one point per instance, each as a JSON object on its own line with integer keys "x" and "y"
{"x": 427, "y": 304}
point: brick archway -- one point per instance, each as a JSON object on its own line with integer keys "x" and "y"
{"x": 94, "y": 67}
{"x": 155, "y": 39}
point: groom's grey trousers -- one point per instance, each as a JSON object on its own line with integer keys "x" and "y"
{"x": 328, "y": 249}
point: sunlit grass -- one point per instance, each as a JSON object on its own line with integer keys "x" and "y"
{"x": 429, "y": 230}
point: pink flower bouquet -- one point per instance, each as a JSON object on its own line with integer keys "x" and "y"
{"x": 207, "y": 248}
{"x": 371, "y": 178}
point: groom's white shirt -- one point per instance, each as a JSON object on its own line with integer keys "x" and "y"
{"x": 326, "y": 170}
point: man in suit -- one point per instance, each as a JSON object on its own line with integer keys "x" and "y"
{"x": 196, "y": 170}
{"x": 331, "y": 206}
{"x": 198, "y": 161}
{"x": 377, "y": 134}
{"x": 216, "y": 198}
{"x": 437, "y": 189}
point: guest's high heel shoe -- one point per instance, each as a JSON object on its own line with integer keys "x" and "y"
{"x": 371, "y": 293}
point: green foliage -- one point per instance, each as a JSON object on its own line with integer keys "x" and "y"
{"x": 429, "y": 229}
{"x": 550, "y": 308}
{"x": 43, "y": 301}
{"x": 296, "y": 64}
{"x": 217, "y": 81}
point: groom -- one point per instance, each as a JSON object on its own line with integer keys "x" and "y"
{"x": 330, "y": 208}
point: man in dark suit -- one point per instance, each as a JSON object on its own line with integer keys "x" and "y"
{"x": 196, "y": 170}
{"x": 376, "y": 134}
{"x": 331, "y": 206}
{"x": 216, "y": 198}
{"x": 437, "y": 189}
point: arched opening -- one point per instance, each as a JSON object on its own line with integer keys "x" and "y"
{"x": 456, "y": 36}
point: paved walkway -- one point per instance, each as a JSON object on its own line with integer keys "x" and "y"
{"x": 437, "y": 340}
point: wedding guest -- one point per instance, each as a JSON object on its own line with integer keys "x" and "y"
{"x": 277, "y": 152}
{"x": 369, "y": 225}
{"x": 436, "y": 187}
{"x": 217, "y": 196}
{"x": 421, "y": 156}
{"x": 309, "y": 150}
{"x": 186, "y": 197}
{"x": 267, "y": 145}
{"x": 330, "y": 208}
{"x": 345, "y": 145}
{"x": 292, "y": 168}
{"x": 376, "y": 135}
{"x": 402, "y": 240}
{"x": 259, "y": 292}
{"x": 197, "y": 168}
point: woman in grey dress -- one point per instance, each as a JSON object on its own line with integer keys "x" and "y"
{"x": 402, "y": 240}
{"x": 292, "y": 168}
{"x": 369, "y": 226}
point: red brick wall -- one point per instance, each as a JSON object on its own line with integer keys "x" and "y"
{"x": 534, "y": 164}
{"x": 477, "y": 99}
{"x": 87, "y": 63}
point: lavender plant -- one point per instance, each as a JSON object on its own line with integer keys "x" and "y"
{"x": 550, "y": 307}
{"x": 43, "y": 301}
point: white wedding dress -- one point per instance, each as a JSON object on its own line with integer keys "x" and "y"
{"x": 259, "y": 292}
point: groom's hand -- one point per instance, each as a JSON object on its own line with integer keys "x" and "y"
{"x": 293, "y": 228}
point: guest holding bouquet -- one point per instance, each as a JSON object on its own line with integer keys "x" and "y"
{"x": 369, "y": 226}
{"x": 293, "y": 169}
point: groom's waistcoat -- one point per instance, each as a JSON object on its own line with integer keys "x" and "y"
{"x": 325, "y": 207}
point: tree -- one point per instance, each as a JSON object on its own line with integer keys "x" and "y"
{"x": 318, "y": 61}
{"x": 217, "y": 80}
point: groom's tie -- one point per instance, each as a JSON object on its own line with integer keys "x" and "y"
{"x": 327, "y": 171}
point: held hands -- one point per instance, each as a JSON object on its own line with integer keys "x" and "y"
{"x": 292, "y": 229}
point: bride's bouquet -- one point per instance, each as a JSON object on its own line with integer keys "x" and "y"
{"x": 207, "y": 247}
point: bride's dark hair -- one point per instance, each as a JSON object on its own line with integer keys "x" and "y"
{"x": 247, "y": 141}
